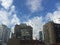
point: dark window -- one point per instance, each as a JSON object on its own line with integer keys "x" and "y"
{"x": 57, "y": 32}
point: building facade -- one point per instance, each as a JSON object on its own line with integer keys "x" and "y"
{"x": 51, "y": 33}
{"x": 4, "y": 33}
{"x": 23, "y": 32}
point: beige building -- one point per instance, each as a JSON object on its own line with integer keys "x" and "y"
{"x": 51, "y": 33}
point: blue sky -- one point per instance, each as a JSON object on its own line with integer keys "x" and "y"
{"x": 35, "y": 9}
{"x": 23, "y": 10}
{"x": 32, "y": 12}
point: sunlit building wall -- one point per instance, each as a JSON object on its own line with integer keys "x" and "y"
{"x": 51, "y": 32}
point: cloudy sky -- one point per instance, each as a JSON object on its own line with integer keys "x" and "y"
{"x": 32, "y": 12}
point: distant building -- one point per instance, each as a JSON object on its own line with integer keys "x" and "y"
{"x": 40, "y": 36}
{"x": 51, "y": 33}
{"x": 4, "y": 33}
{"x": 23, "y": 32}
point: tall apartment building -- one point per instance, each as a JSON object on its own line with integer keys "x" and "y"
{"x": 23, "y": 32}
{"x": 4, "y": 33}
{"x": 51, "y": 33}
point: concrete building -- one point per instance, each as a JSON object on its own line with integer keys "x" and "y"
{"x": 4, "y": 33}
{"x": 51, "y": 33}
{"x": 23, "y": 32}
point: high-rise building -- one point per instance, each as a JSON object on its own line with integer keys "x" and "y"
{"x": 4, "y": 33}
{"x": 23, "y": 32}
{"x": 40, "y": 36}
{"x": 51, "y": 33}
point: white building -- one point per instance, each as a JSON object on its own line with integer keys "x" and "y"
{"x": 4, "y": 33}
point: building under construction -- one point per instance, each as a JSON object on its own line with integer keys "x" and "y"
{"x": 51, "y": 33}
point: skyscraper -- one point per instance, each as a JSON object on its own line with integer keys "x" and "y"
{"x": 23, "y": 32}
{"x": 51, "y": 33}
{"x": 40, "y": 36}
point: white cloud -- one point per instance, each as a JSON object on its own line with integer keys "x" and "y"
{"x": 15, "y": 20}
{"x": 8, "y": 17}
{"x": 9, "y": 20}
{"x": 58, "y": 6}
{"x": 6, "y": 3}
{"x": 34, "y": 5}
{"x": 12, "y": 9}
{"x": 37, "y": 24}
{"x": 55, "y": 16}
{"x": 4, "y": 17}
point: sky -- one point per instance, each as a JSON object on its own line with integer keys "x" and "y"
{"x": 32, "y": 12}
